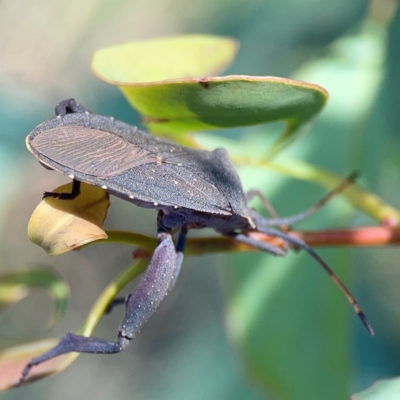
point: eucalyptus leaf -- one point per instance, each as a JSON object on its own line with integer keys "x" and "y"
{"x": 59, "y": 226}
{"x": 176, "y": 97}
{"x": 172, "y": 57}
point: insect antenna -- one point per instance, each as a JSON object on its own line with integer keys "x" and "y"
{"x": 328, "y": 270}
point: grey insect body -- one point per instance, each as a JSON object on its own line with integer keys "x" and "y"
{"x": 131, "y": 162}
{"x": 190, "y": 188}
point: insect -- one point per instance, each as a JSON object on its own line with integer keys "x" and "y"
{"x": 189, "y": 188}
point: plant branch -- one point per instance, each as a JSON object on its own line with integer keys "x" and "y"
{"x": 361, "y": 236}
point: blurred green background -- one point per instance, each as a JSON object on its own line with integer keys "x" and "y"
{"x": 287, "y": 327}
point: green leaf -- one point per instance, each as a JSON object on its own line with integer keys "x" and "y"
{"x": 173, "y": 57}
{"x": 174, "y": 97}
{"x": 385, "y": 389}
{"x": 222, "y": 102}
{"x": 17, "y": 285}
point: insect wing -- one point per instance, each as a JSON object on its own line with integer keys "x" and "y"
{"x": 127, "y": 162}
{"x": 172, "y": 185}
{"x": 89, "y": 151}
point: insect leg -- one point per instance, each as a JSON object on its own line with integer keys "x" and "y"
{"x": 180, "y": 246}
{"x": 179, "y": 259}
{"x": 267, "y": 205}
{"x": 118, "y": 301}
{"x": 258, "y": 244}
{"x": 298, "y": 217}
{"x": 152, "y": 288}
{"x": 75, "y": 192}
{"x": 140, "y": 306}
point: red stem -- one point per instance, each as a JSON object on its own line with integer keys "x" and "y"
{"x": 362, "y": 236}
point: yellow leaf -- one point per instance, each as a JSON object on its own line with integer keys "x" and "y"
{"x": 62, "y": 225}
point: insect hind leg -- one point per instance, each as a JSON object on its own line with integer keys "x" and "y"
{"x": 140, "y": 306}
{"x": 180, "y": 245}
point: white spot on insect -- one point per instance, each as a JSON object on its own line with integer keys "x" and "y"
{"x": 104, "y": 187}
{"x": 71, "y": 176}
{"x": 176, "y": 182}
{"x": 155, "y": 203}
{"x": 131, "y": 196}
{"x": 175, "y": 207}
